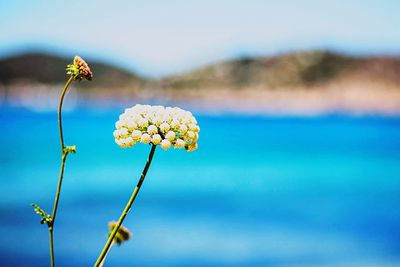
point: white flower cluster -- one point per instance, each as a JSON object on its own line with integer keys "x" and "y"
{"x": 164, "y": 126}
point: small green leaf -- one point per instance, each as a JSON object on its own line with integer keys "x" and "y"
{"x": 46, "y": 218}
{"x": 70, "y": 149}
{"x": 122, "y": 234}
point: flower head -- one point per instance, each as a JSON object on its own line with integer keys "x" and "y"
{"x": 122, "y": 235}
{"x": 79, "y": 69}
{"x": 158, "y": 125}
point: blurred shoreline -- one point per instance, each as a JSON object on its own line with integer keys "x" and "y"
{"x": 302, "y": 84}
{"x": 343, "y": 98}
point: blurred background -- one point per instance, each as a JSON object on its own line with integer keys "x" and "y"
{"x": 299, "y": 151}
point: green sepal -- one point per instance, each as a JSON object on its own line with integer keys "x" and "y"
{"x": 72, "y": 70}
{"x": 46, "y": 218}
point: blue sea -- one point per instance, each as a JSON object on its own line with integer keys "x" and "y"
{"x": 259, "y": 191}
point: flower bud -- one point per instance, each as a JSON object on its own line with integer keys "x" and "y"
{"x": 143, "y": 123}
{"x": 191, "y": 147}
{"x": 175, "y": 123}
{"x": 156, "y": 139}
{"x": 131, "y": 125}
{"x": 166, "y": 144}
{"x": 136, "y": 135}
{"x": 179, "y": 143}
{"x": 164, "y": 127}
{"x": 146, "y": 138}
{"x": 123, "y": 132}
{"x": 119, "y": 124}
{"x": 170, "y": 136}
{"x": 190, "y": 135}
{"x": 79, "y": 69}
{"x": 192, "y": 127}
{"x": 129, "y": 141}
{"x": 183, "y": 129}
{"x": 152, "y": 129}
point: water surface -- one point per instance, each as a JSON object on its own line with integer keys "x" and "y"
{"x": 260, "y": 191}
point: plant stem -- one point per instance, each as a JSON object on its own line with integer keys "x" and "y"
{"x": 105, "y": 256}
{"x": 59, "y": 112}
{"x": 57, "y": 197}
{"x": 127, "y": 209}
{"x": 51, "y": 247}
{"x": 60, "y": 179}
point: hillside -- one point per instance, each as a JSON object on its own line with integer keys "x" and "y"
{"x": 44, "y": 68}
{"x": 296, "y": 69}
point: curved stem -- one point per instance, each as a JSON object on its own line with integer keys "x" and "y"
{"x": 127, "y": 209}
{"x": 59, "y": 112}
{"x": 64, "y": 155}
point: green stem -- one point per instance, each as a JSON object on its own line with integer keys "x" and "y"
{"x": 51, "y": 247}
{"x": 105, "y": 256}
{"x": 59, "y": 112}
{"x": 60, "y": 179}
{"x": 57, "y": 197}
{"x": 126, "y": 210}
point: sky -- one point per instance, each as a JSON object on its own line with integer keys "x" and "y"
{"x": 158, "y": 38}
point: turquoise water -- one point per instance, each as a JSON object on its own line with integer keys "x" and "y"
{"x": 260, "y": 191}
